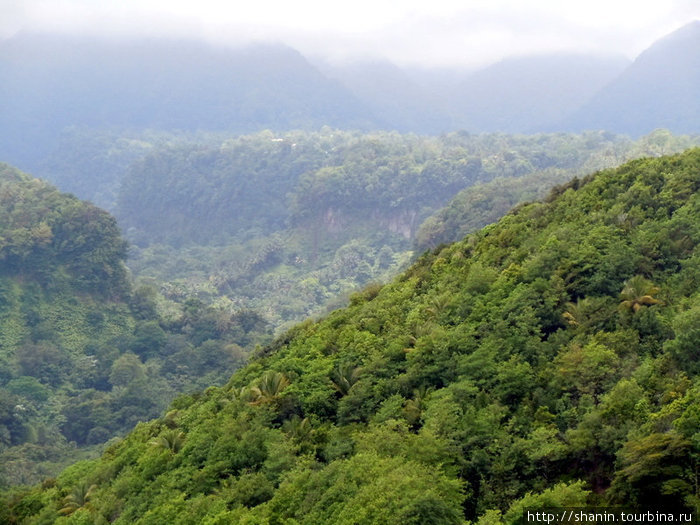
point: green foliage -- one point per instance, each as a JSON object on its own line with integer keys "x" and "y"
{"x": 368, "y": 489}
{"x": 287, "y": 224}
{"x": 559, "y": 496}
{"x": 269, "y": 387}
{"x": 476, "y": 206}
{"x": 685, "y": 346}
{"x": 78, "y": 498}
{"x": 458, "y": 392}
{"x": 638, "y": 292}
{"x": 82, "y": 358}
{"x": 171, "y": 440}
{"x": 51, "y": 236}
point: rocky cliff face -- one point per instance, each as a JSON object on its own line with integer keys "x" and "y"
{"x": 403, "y": 223}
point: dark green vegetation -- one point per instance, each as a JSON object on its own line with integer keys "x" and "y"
{"x": 83, "y": 357}
{"x": 482, "y": 204}
{"x": 235, "y": 237}
{"x": 549, "y": 359}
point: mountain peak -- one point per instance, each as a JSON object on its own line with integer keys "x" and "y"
{"x": 659, "y": 89}
{"x": 691, "y": 29}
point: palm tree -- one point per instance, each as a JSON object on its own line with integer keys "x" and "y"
{"x": 78, "y": 498}
{"x": 171, "y": 440}
{"x": 578, "y": 314}
{"x": 436, "y": 305}
{"x": 344, "y": 377}
{"x": 169, "y": 419}
{"x": 413, "y": 408}
{"x": 298, "y": 429}
{"x": 269, "y": 387}
{"x": 574, "y": 313}
{"x": 638, "y": 292}
{"x": 241, "y": 394}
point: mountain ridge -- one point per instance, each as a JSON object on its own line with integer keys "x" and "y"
{"x": 51, "y": 83}
{"x": 160, "y": 84}
{"x": 528, "y": 94}
{"x": 659, "y": 89}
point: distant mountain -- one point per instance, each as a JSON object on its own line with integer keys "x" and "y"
{"x": 400, "y": 100}
{"x": 525, "y": 94}
{"x": 48, "y": 83}
{"x": 522, "y": 94}
{"x": 660, "y": 89}
{"x": 51, "y": 85}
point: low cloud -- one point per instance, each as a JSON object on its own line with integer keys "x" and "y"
{"x": 413, "y": 32}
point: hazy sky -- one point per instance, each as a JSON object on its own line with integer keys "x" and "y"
{"x": 408, "y": 32}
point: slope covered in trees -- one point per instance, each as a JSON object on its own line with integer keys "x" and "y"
{"x": 285, "y": 223}
{"x": 83, "y": 356}
{"x": 202, "y": 194}
{"x": 549, "y": 359}
{"x": 476, "y": 206}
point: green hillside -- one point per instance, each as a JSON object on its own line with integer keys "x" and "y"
{"x": 286, "y": 224}
{"x": 549, "y": 359}
{"x": 476, "y": 206}
{"x": 83, "y": 356}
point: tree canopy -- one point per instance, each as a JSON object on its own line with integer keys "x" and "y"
{"x": 458, "y": 392}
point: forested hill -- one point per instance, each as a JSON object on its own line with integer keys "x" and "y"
{"x": 484, "y": 203}
{"x": 286, "y": 223}
{"x": 57, "y": 238}
{"x": 83, "y": 356}
{"x": 257, "y": 184}
{"x": 549, "y": 359}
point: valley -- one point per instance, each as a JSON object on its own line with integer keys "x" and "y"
{"x": 244, "y": 284}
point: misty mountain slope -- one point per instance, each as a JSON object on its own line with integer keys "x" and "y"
{"x": 548, "y": 360}
{"x": 660, "y": 89}
{"x": 527, "y": 94}
{"x": 521, "y": 94}
{"x": 51, "y": 84}
{"x": 394, "y": 96}
{"x": 48, "y": 83}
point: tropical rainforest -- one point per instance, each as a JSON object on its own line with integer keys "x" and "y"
{"x": 84, "y": 355}
{"x": 286, "y": 223}
{"x": 549, "y": 359}
{"x": 231, "y": 240}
